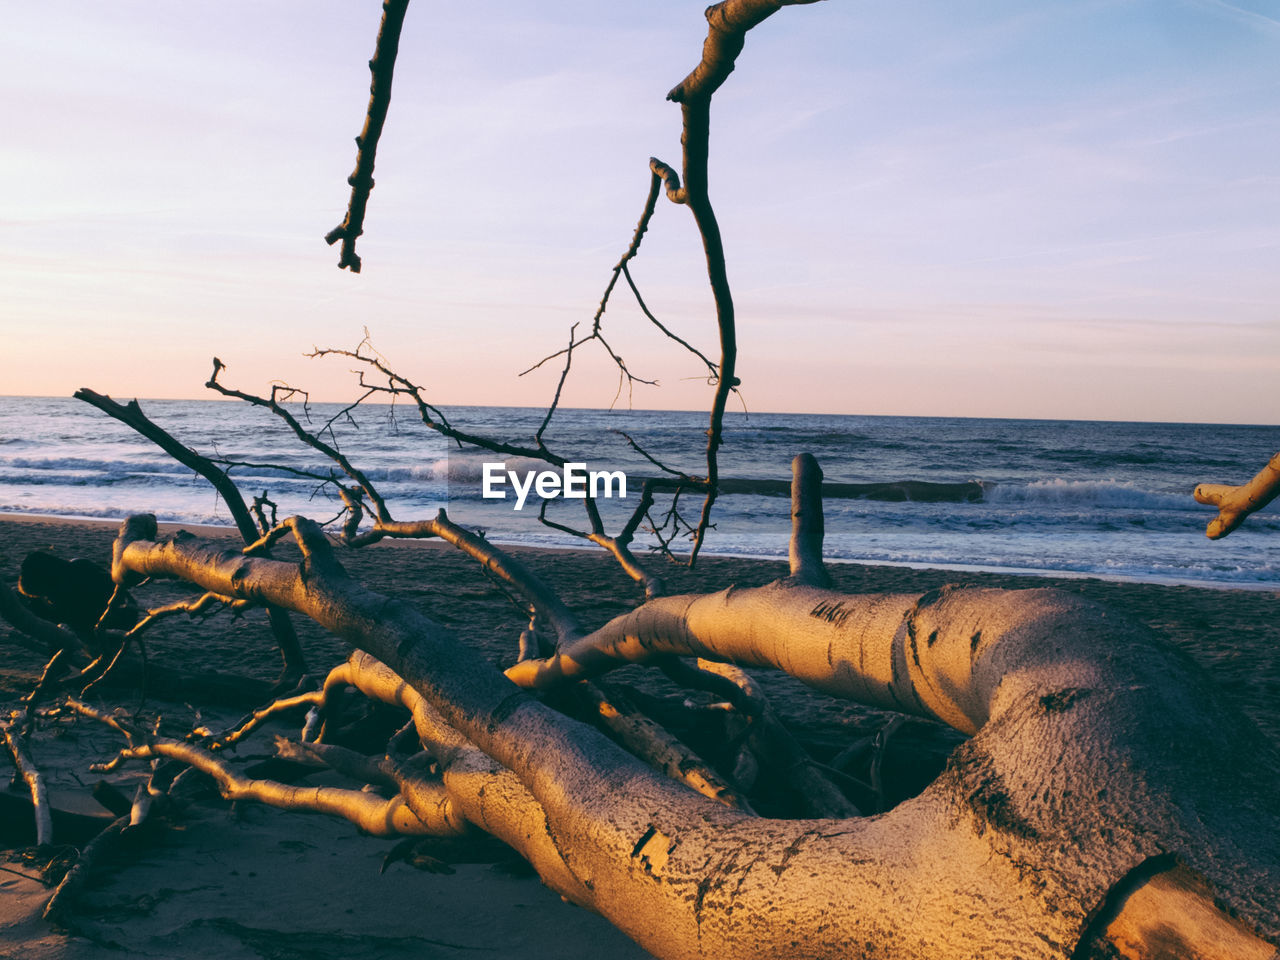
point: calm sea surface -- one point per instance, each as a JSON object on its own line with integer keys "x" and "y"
{"x": 1099, "y": 499}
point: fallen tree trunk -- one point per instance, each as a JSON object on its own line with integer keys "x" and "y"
{"x": 1101, "y": 758}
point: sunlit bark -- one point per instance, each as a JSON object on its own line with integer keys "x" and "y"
{"x": 1236, "y": 503}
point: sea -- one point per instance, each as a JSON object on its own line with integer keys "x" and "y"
{"x": 1053, "y": 497}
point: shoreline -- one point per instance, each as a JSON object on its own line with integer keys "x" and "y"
{"x": 217, "y": 530}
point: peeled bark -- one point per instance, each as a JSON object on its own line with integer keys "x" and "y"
{"x": 1098, "y": 751}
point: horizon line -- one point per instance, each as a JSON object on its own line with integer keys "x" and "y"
{"x": 736, "y": 413}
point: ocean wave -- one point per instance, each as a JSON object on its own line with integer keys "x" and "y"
{"x": 81, "y": 470}
{"x": 1086, "y": 493}
{"x": 464, "y": 467}
{"x": 1089, "y": 498}
{"x": 88, "y": 465}
{"x": 81, "y": 511}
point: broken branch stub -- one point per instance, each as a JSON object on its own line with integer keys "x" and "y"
{"x": 807, "y": 529}
{"x": 1236, "y": 503}
{"x": 382, "y": 71}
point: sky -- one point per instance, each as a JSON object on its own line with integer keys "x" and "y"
{"x": 1061, "y": 208}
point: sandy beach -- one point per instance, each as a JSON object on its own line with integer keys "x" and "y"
{"x": 254, "y": 882}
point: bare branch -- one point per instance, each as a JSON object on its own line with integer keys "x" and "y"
{"x": 713, "y": 372}
{"x": 621, "y": 551}
{"x": 11, "y": 730}
{"x": 555, "y": 400}
{"x": 311, "y": 698}
{"x": 56, "y": 664}
{"x": 661, "y": 750}
{"x": 382, "y": 69}
{"x": 368, "y": 811}
{"x": 431, "y": 417}
{"x": 697, "y": 131}
{"x": 260, "y": 506}
{"x": 686, "y": 479}
{"x": 771, "y": 738}
{"x": 660, "y": 173}
{"x": 1236, "y": 503}
{"x": 59, "y": 905}
{"x": 398, "y": 385}
{"x": 727, "y": 26}
{"x": 670, "y": 180}
{"x": 131, "y": 415}
{"x": 108, "y": 719}
{"x": 349, "y": 763}
{"x": 200, "y": 607}
{"x": 302, "y": 433}
{"x": 632, "y": 249}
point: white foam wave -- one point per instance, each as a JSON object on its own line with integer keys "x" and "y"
{"x": 454, "y": 468}
{"x": 1086, "y": 493}
{"x": 108, "y": 468}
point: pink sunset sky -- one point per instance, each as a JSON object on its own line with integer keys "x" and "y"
{"x": 1060, "y": 209}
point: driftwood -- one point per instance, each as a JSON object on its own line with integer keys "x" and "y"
{"x": 1098, "y": 756}
{"x": 60, "y": 906}
{"x": 1236, "y": 503}
{"x": 12, "y": 730}
{"x": 1100, "y": 806}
